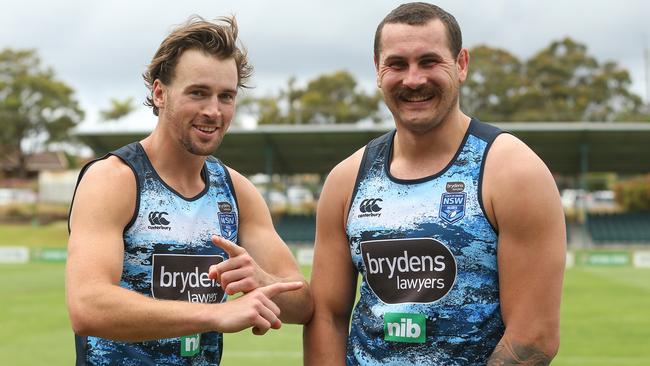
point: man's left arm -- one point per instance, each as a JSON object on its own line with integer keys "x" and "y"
{"x": 524, "y": 204}
{"x": 262, "y": 257}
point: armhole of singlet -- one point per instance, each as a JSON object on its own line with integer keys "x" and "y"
{"x": 489, "y": 135}
{"x": 81, "y": 350}
{"x": 137, "y": 188}
{"x": 357, "y": 180}
{"x": 361, "y": 172}
{"x": 137, "y": 193}
{"x": 76, "y": 186}
{"x": 231, "y": 185}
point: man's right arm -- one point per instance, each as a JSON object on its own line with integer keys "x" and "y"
{"x": 333, "y": 279}
{"x": 103, "y": 205}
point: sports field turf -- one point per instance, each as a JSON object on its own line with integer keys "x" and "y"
{"x": 605, "y": 316}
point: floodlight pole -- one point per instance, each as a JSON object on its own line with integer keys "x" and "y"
{"x": 647, "y": 69}
{"x": 268, "y": 169}
{"x": 584, "y": 169}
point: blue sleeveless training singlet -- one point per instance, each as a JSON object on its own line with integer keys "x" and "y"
{"x": 167, "y": 253}
{"x": 428, "y": 259}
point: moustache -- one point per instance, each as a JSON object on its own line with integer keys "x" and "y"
{"x": 206, "y": 121}
{"x": 426, "y": 90}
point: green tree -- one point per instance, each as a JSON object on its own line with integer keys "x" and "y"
{"x": 118, "y": 109}
{"x": 265, "y": 109}
{"x": 565, "y": 83}
{"x": 494, "y": 83}
{"x": 562, "y": 82}
{"x": 332, "y": 98}
{"x": 33, "y": 104}
{"x": 329, "y": 98}
{"x": 292, "y": 96}
{"x": 634, "y": 194}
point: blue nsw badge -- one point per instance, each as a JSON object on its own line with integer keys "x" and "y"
{"x": 452, "y": 206}
{"x": 228, "y": 225}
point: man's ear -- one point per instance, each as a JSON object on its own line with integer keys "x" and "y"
{"x": 462, "y": 63}
{"x": 376, "y": 60}
{"x": 158, "y": 93}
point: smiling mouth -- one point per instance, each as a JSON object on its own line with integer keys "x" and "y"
{"x": 416, "y": 98}
{"x": 422, "y": 94}
{"x": 206, "y": 129}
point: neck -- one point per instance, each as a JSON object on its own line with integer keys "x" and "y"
{"x": 176, "y": 166}
{"x": 421, "y": 154}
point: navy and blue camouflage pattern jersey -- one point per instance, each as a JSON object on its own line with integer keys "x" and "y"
{"x": 427, "y": 255}
{"x": 167, "y": 253}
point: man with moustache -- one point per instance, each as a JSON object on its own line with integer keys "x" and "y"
{"x": 152, "y": 253}
{"x": 455, "y": 227}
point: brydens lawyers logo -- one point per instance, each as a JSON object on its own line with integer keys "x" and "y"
{"x": 185, "y": 277}
{"x": 225, "y": 207}
{"x": 158, "y": 221}
{"x": 369, "y": 207}
{"x": 413, "y": 270}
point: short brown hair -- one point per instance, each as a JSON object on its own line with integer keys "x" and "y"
{"x": 217, "y": 38}
{"x": 419, "y": 13}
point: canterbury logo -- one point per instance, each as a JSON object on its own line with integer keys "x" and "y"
{"x": 370, "y": 205}
{"x": 158, "y": 218}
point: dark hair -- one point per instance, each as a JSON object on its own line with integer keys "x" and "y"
{"x": 217, "y": 38}
{"x": 419, "y": 14}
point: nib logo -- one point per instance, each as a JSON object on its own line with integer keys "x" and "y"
{"x": 190, "y": 345}
{"x": 158, "y": 221}
{"x": 404, "y": 327}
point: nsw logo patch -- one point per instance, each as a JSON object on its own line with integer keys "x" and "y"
{"x": 228, "y": 225}
{"x": 452, "y": 206}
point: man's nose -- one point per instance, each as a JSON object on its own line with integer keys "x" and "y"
{"x": 212, "y": 109}
{"x": 414, "y": 78}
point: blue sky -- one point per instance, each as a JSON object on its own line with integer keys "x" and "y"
{"x": 101, "y": 48}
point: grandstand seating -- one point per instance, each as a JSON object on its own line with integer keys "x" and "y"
{"x": 623, "y": 228}
{"x": 296, "y": 228}
{"x": 632, "y": 227}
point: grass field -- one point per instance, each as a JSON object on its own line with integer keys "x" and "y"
{"x": 605, "y": 315}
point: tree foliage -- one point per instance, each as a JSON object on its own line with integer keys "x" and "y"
{"x": 33, "y": 104}
{"x": 494, "y": 84}
{"x": 634, "y": 194}
{"x": 562, "y": 82}
{"x": 327, "y": 99}
{"x": 118, "y": 109}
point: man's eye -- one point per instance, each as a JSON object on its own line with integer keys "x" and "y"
{"x": 227, "y": 97}
{"x": 428, "y": 62}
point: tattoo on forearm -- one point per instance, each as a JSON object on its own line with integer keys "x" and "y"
{"x": 507, "y": 353}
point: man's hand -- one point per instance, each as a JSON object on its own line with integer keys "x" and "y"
{"x": 239, "y": 273}
{"x": 255, "y": 309}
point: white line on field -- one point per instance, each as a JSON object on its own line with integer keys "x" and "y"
{"x": 260, "y": 354}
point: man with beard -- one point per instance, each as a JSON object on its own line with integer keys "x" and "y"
{"x": 456, "y": 228}
{"x": 152, "y": 253}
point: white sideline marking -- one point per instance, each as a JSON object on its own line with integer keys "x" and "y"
{"x": 14, "y": 255}
{"x": 305, "y": 256}
{"x": 261, "y": 354}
